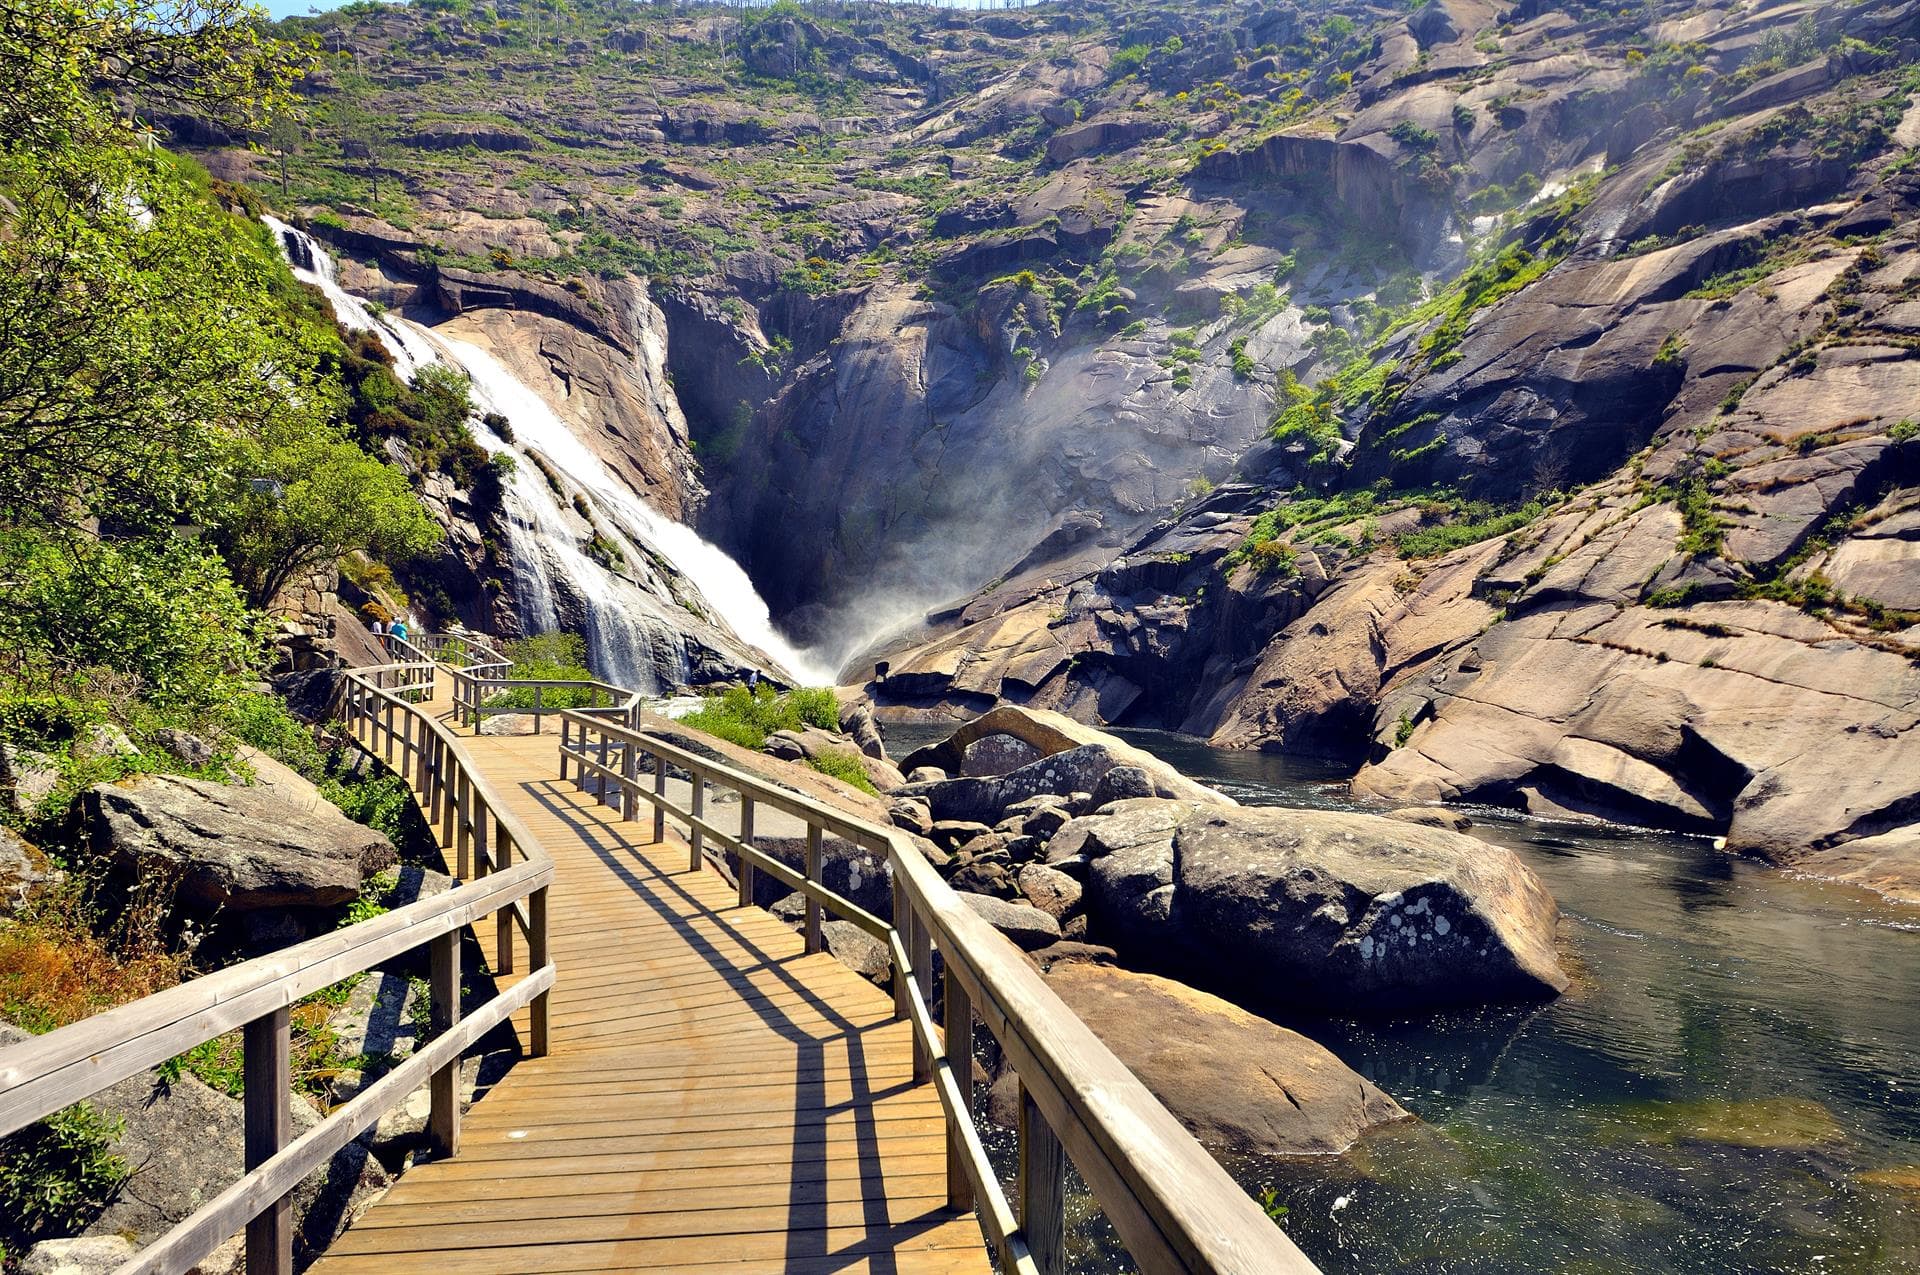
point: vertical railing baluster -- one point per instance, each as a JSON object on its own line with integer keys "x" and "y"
{"x": 629, "y": 781}
{"x": 659, "y": 790}
{"x": 1042, "y": 1188}
{"x": 903, "y": 925}
{"x": 958, "y": 1047}
{"x": 920, "y": 950}
{"x": 443, "y": 1110}
{"x": 812, "y": 867}
{"x": 746, "y": 874}
{"x": 503, "y": 919}
{"x": 537, "y": 959}
{"x": 694, "y": 835}
{"x": 267, "y": 1073}
{"x": 482, "y": 860}
{"x": 463, "y": 823}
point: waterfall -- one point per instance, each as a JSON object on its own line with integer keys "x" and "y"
{"x": 635, "y": 632}
{"x": 312, "y": 264}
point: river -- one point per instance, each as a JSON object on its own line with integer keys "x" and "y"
{"x": 1732, "y": 1084}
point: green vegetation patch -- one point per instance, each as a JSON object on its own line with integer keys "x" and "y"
{"x": 746, "y": 718}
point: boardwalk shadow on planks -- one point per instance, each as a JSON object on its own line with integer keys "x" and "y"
{"x": 812, "y": 1109}
{"x": 715, "y": 1096}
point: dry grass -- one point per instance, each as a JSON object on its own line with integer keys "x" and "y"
{"x": 55, "y": 969}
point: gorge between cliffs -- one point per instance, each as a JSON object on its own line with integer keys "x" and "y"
{"x": 1378, "y": 545}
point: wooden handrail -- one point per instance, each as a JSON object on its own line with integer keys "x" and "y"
{"x": 1172, "y": 1204}
{"x": 48, "y": 1073}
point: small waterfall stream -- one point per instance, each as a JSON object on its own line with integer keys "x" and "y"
{"x": 635, "y": 619}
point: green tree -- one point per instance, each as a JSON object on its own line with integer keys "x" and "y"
{"x": 284, "y": 137}
{"x": 314, "y": 498}
{"x": 140, "y": 341}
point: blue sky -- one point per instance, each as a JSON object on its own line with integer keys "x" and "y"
{"x": 298, "y": 8}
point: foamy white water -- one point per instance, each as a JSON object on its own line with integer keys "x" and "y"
{"x": 630, "y": 636}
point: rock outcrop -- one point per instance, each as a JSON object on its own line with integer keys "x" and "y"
{"x": 1315, "y": 908}
{"x": 1080, "y": 757}
{"x": 1239, "y": 1083}
{"x": 231, "y": 848}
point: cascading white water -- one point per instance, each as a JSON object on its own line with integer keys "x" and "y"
{"x": 630, "y": 633}
{"x": 312, "y": 264}
{"x": 721, "y": 580}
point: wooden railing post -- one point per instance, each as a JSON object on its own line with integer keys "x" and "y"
{"x": 694, "y": 835}
{"x": 629, "y": 782}
{"x": 482, "y": 855}
{"x": 920, "y": 950}
{"x": 463, "y": 823}
{"x": 746, "y": 873}
{"x": 1042, "y": 1188}
{"x": 537, "y": 960}
{"x": 448, "y": 788}
{"x": 566, "y": 742}
{"x": 957, "y": 1041}
{"x": 503, "y": 919}
{"x": 811, "y": 867}
{"x": 903, "y": 925}
{"x": 537, "y": 701}
{"x": 443, "y": 1111}
{"x": 267, "y": 1072}
{"x": 659, "y": 790}
{"x": 601, "y": 774}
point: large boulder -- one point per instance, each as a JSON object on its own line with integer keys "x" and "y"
{"x": 1028, "y": 927}
{"x": 1315, "y": 907}
{"x": 234, "y": 848}
{"x": 1238, "y": 1082}
{"x": 853, "y": 872}
{"x": 810, "y": 744}
{"x": 1047, "y": 734}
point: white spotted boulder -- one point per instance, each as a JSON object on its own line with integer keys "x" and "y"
{"x": 1316, "y": 908}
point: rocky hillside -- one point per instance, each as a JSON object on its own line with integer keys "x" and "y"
{"x": 1517, "y": 401}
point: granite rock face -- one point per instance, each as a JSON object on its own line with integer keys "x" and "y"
{"x": 234, "y": 848}
{"x": 1238, "y": 1082}
{"x": 1316, "y": 908}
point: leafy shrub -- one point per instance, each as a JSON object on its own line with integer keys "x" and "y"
{"x": 381, "y": 802}
{"x": 845, "y": 766}
{"x": 746, "y": 718}
{"x": 55, "y": 969}
{"x": 1273, "y": 556}
{"x": 161, "y": 612}
{"x": 58, "y": 1174}
{"x": 1477, "y": 521}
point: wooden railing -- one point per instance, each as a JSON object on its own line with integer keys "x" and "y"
{"x": 1172, "y": 1204}
{"x": 43, "y": 1075}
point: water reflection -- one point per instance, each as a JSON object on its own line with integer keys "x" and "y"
{"x": 1733, "y": 1084}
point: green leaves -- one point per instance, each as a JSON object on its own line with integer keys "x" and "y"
{"x": 314, "y": 497}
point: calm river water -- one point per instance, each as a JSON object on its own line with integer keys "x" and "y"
{"x": 1732, "y": 1085}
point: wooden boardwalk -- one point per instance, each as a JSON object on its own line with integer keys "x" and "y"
{"x": 714, "y": 1099}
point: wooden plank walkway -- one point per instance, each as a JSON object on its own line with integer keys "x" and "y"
{"x": 714, "y": 1099}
